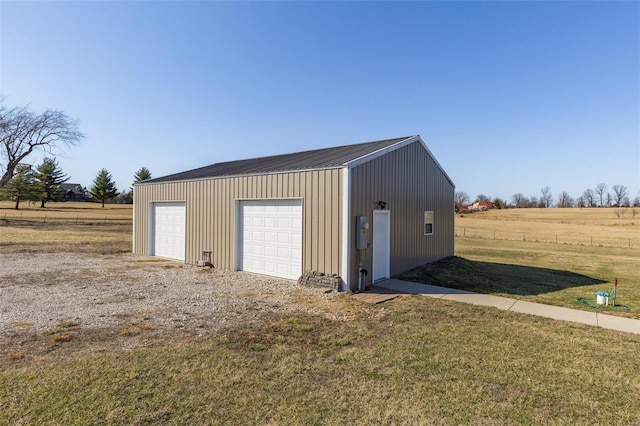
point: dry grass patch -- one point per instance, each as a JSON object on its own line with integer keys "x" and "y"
{"x": 69, "y": 238}
{"x": 586, "y": 216}
{"x": 65, "y": 210}
{"x": 62, "y": 327}
{"x": 61, "y": 332}
{"x": 133, "y": 328}
{"x": 589, "y": 227}
{"x": 70, "y": 227}
{"x": 60, "y": 338}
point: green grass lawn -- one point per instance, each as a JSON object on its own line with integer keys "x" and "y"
{"x": 409, "y": 361}
{"x": 538, "y": 272}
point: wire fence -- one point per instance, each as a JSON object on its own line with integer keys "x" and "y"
{"x": 51, "y": 218}
{"x": 553, "y": 238}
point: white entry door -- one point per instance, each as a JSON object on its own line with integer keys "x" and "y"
{"x": 271, "y": 237}
{"x": 168, "y": 238}
{"x": 381, "y": 245}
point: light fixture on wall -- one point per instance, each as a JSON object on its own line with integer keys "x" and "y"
{"x": 382, "y": 204}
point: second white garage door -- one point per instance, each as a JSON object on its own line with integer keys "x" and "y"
{"x": 271, "y": 237}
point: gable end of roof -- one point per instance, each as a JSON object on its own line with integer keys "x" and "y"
{"x": 398, "y": 145}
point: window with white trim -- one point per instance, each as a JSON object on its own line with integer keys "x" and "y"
{"x": 428, "y": 223}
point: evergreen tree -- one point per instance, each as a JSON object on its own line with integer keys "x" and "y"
{"x": 103, "y": 187}
{"x": 23, "y": 186}
{"x": 142, "y": 174}
{"x": 50, "y": 176}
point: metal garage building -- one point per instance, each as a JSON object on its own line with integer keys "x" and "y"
{"x": 385, "y": 206}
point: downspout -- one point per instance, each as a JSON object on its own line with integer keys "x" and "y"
{"x": 133, "y": 222}
{"x": 346, "y": 228}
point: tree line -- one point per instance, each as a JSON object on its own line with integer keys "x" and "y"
{"x": 24, "y": 133}
{"x": 42, "y": 184}
{"x": 598, "y": 196}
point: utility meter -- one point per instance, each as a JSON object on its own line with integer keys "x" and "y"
{"x": 362, "y": 232}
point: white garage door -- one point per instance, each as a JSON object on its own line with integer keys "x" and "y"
{"x": 271, "y": 237}
{"x": 169, "y": 230}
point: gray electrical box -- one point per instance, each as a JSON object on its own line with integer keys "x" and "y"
{"x": 362, "y": 232}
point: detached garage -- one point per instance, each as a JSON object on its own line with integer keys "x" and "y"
{"x": 384, "y": 206}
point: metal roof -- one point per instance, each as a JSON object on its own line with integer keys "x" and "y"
{"x": 307, "y": 160}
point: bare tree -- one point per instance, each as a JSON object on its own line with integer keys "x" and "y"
{"x": 565, "y": 200}
{"x": 533, "y": 202}
{"x": 619, "y": 191}
{"x": 461, "y": 198}
{"x": 519, "y": 200}
{"x": 23, "y": 132}
{"x": 546, "y": 199}
{"x": 589, "y": 198}
{"x": 580, "y": 202}
{"x": 600, "y": 191}
{"x": 609, "y": 199}
{"x": 483, "y": 198}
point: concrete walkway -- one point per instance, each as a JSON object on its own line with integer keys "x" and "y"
{"x": 610, "y": 322}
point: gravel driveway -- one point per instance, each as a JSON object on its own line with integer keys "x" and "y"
{"x": 115, "y": 296}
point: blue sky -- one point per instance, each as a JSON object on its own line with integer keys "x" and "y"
{"x": 509, "y": 96}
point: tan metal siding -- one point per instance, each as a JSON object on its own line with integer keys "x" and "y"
{"x": 211, "y": 215}
{"x": 410, "y": 182}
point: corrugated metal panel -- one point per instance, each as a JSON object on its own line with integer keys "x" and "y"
{"x": 410, "y": 181}
{"x": 307, "y": 160}
{"x": 211, "y": 214}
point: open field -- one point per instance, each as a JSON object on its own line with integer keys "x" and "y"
{"x": 607, "y": 227}
{"x": 68, "y": 227}
{"x": 312, "y": 358}
{"x": 564, "y": 274}
{"x": 71, "y": 212}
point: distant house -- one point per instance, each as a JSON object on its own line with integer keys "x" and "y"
{"x": 72, "y": 192}
{"x": 478, "y": 206}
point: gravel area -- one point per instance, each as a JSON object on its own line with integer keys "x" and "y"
{"x": 111, "y": 292}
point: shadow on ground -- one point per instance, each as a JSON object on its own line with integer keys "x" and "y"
{"x": 488, "y": 277}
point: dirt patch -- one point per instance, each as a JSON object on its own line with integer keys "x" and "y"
{"x": 122, "y": 302}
